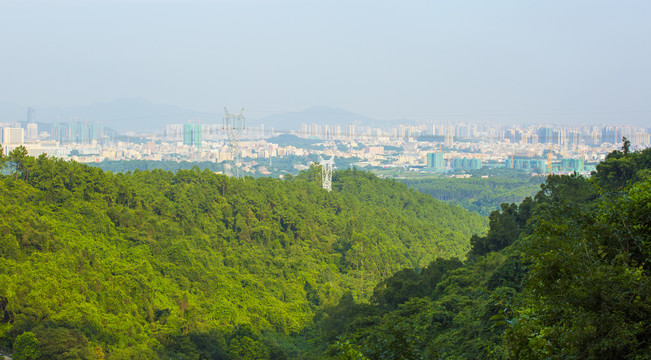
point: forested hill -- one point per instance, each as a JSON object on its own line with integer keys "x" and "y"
{"x": 482, "y": 195}
{"x": 563, "y": 275}
{"x": 195, "y": 265}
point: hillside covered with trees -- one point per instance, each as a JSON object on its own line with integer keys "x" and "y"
{"x": 195, "y": 265}
{"x": 479, "y": 194}
{"x": 280, "y": 166}
{"x": 563, "y": 275}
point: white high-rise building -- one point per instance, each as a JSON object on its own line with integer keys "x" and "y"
{"x": 350, "y": 131}
{"x": 32, "y": 131}
{"x": 13, "y": 136}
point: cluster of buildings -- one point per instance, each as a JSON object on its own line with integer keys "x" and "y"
{"x": 434, "y": 147}
{"x": 62, "y": 138}
{"x": 447, "y": 133}
{"x": 78, "y": 132}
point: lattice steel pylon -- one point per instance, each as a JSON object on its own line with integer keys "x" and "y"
{"x": 326, "y": 172}
{"x": 234, "y": 125}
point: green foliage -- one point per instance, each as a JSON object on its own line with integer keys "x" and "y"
{"x": 155, "y": 264}
{"x": 63, "y": 343}
{"x": 505, "y": 227}
{"x": 621, "y": 167}
{"x": 441, "y": 311}
{"x": 150, "y": 264}
{"x": 18, "y": 159}
{"x": 3, "y": 159}
{"x": 346, "y": 351}
{"x": 565, "y": 274}
{"x": 276, "y": 167}
{"x": 588, "y": 291}
{"x": 26, "y": 347}
{"x": 481, "y": 195}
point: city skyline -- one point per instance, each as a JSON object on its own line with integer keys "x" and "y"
{"x": 436, "y": 147}
{"x": 141, "y": 116}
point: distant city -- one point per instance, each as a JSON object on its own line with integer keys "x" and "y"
{"x": 434, "y": 147}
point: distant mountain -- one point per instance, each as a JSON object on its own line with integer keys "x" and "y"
{"x": 127, "y": 114}
{"x": 139, "y": 115}
{"x": 317, "y": 115}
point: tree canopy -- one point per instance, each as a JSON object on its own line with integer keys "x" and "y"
{"x": 564, "y": 274}
{"x": 193, "y": 264}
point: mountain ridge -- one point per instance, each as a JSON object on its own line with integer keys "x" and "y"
{"x": 134, "y": 114}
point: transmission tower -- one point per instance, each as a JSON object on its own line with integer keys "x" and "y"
{"x": 326, "y": 172}
{"x": 234, "y": 125}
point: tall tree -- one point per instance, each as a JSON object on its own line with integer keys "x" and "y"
{"x": 18, "y": 158}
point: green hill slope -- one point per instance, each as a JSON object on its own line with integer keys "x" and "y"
{"x": 482, "y": 195}
{"x": 197, "y": 265}
{"x": 563, "y": 275}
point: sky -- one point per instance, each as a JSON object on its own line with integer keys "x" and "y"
{"x": 519, "y": 61}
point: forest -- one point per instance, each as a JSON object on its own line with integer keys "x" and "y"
{"x": 277, "y": 167}
{"x": 195, "y": 265}
{"x": 479, "y": 194}
{"x": 565, "y": 274}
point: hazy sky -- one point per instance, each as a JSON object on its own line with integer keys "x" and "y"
{"x": 516, "y": 61}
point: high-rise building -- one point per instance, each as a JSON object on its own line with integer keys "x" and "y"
{"x": 337, "y": 131}
{"x": 403, "y": 131}
{"x": 560, "y": 137}
{"x": 196, "y": 135}
{"x": 31, "y": 115}
{"x": 78, "y": 132}
{"x": 173, "y": 131}
{"x": 192, "y": 134}
{"x": 13, "y": 136}
{"x": 545, "y": 135}
{"x": 573, "y": 138}
{"x": 350, "y": 131}
{"x": 448, "y": 140}
{"x": 533, "y": 139}
{"x": 594, "y": 136}
{"x": 464, "y": 131}
{"x": 572, "y": 164}
{"x": 435, "y": 161}
{"x": 467, "y": 163}
{"x": 641, "y": 138}
{"x": 32, "y": 131}
{"x": 187, "y": 134}
{"x": 612, "y": 134}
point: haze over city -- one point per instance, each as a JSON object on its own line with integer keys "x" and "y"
{"x": 559, "y": 62}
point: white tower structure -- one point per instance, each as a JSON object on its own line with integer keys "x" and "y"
{"x": 326, "y": 172}
{"x": 234, "y": 125}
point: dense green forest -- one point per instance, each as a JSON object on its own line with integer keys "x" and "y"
{"x": 196, "y": 265}
{"x": 277, "y": 167}
{"x": 482, "y": 195}
{"x": 563, "y": 275}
